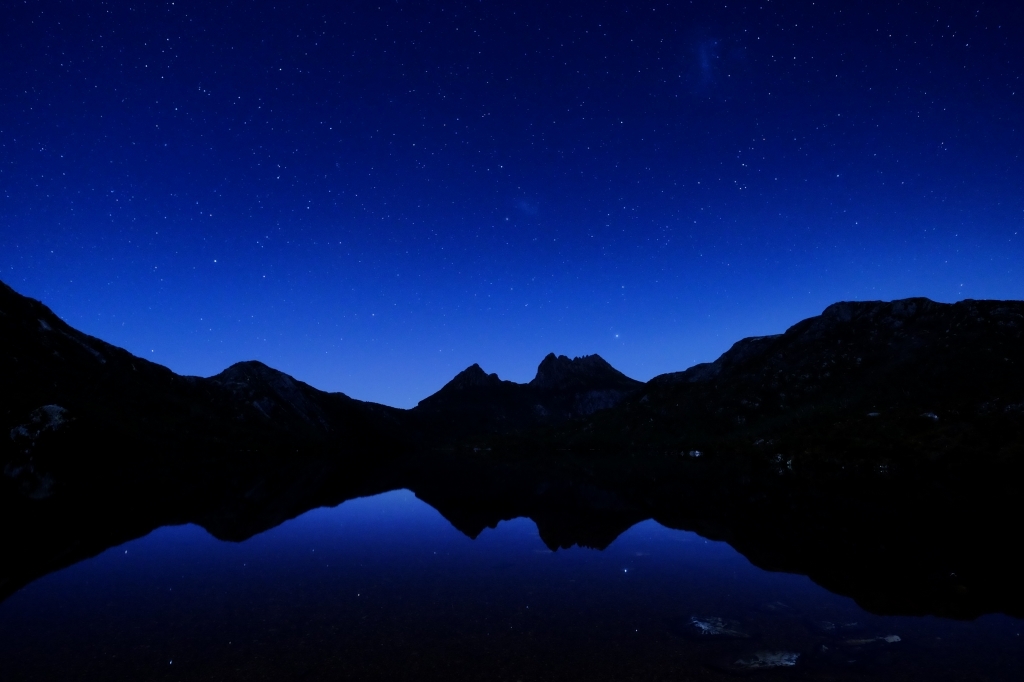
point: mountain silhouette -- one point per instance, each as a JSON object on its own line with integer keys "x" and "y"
{"x": 876, "y": 447}
{"x": 477, "y": 404}
{"x": 66, "y": 392}
{"x": 908, "y": 378}
{"x": 893, "y": 382}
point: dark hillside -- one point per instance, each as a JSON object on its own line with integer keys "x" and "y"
{"x": 77, "y": 408}
{"x": 889, "y": 382}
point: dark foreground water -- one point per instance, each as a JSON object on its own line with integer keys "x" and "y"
{"x": 385, "y": 588}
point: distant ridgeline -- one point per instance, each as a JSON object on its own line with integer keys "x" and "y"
{"x": 876, "y": 447}
{"x": 893, "y": 382}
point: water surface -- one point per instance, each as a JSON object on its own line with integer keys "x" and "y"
{"x": 384, "y": 587}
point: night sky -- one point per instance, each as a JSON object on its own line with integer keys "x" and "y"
{"x": 372, "y": 196}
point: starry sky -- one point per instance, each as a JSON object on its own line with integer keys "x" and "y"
{"x": 372, "y": 196}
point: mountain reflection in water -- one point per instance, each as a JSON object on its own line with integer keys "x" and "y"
{"x": 384, "y": 587}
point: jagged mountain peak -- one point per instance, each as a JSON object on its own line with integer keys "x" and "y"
{"x": 559, "y": 372}
{"x": 472, "y": 376}
{"x": 563, "y": 388}
{"x": 472, "y": 379}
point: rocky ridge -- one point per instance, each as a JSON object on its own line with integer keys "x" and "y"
{"x": 477, "y": 405}
{"x": 902, "y": 379}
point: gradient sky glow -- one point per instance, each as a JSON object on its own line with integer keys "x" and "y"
{"x": 372, "y": 196}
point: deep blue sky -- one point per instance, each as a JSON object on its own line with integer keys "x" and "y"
{"x": 373, "y": 195}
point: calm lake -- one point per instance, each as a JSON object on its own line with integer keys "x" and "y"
{"x": 384, "y": 587}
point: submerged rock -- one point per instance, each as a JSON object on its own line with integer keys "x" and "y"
{"x": 714, "y": 627}
{"x": 767, "y": 660}
{"x": 887, "y": 639}
{"x": 830, "y": 629}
